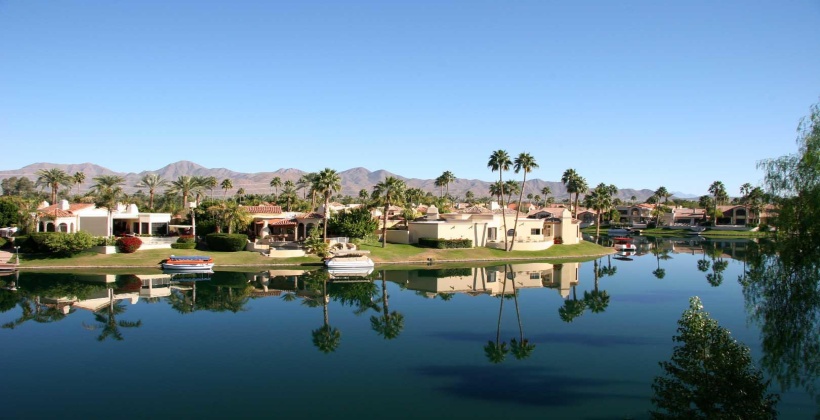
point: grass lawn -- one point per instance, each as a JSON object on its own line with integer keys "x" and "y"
{"x": 393, "y": 254}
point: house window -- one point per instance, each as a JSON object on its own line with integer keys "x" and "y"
{"x": 492, "y": 234}
{"x": 510, "y": 232}
{"x": 535, "y": 276}
{"x": 490, "y": 276}
{"x": 535, "y": 231}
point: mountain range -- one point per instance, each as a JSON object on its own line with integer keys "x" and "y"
{"x": 353, "y": 180}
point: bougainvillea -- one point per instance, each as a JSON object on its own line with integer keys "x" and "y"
{"x": 128, "y": 244}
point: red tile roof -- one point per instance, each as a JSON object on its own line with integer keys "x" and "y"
{"x": 263, "y": 209}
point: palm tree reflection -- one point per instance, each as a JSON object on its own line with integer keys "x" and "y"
{"x": 106, "y": 318}
{"x": 390, "y": 324}
{"x": 326, "y": 338}
{"x": 497, "y": 351}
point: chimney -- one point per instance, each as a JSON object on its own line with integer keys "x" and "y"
{"x": 64, "y": 205}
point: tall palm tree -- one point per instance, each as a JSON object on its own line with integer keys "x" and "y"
{"x": 439, "y": 182}
{"x": 524, "y": 162}
{"x": 326, "y": 183}
{"x": 276, "y": 183}
{"x": 288, "y": 194}
{"x": 497, "y": 190}
{"x": 574, "y": 184}
{"x": 53, "y": 178}
{"x": 79, "y": 178}
{"x": 390, "y": 324}
{"x": 389, "y": 191}
{"x": 183, "y": 186}
{"x": 599, "y": 200}
{"x": 413, "y": 196}
{"x": 151, "y": 181}
{"x": 500, "y": 161}
{"x": 107, "y": 190}
{"x": 229, "y": 215}
{"x": 210, "y": 183}
{"x": 447, "y": 178}
{"x": 226, "y": 185}
{"x": 545, "y": 192}
{"x": 718, "y": 191}
{"x": 745, "y": 192}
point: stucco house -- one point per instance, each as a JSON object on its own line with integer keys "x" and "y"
{"x": 73, "y": 217}
{"x": 485, "y": 228}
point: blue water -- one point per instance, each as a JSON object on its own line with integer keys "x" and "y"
{"x": 245, "y": 350}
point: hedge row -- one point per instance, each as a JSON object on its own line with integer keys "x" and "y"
{"x": 226, "y": 242}
{"x": 183, "y": 245}
{"x": 445, "y": 243}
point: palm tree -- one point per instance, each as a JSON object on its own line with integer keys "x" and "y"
{"x": 574, "y": 184}
{"x": 447, "y": 178}
{"x": 545, "y": 192}
{"x": 390, "y": 324}
{"x": 53, "y": 178}
{"x": 511, "y": 187}
{"x": 226, "y": 185}
{"x": 210, "y": 183}
{"x": 388, "y": 191}
{"x": 275, "y": 183}
{"x": 288, "y": 194}
{"x": 599, "y": 200}
{"x": 439, "y": 182}
{"x": 230, "y": 215}
{"x": 107, "y": 190}
{"x": 718, "y": 191}
{"x": 500, "y": 161}
{"x": 326, "y": 183}
{"x": 363, "y": 196}
{"x": 79, "y": 178}
{"x": 152, "y": 182}
{"x": 524, "y": 162}
{"x": 185, "y": 186}
{"x": 497, "y": 190}
{"x": 746, "y": 193}
{"x": 239, "y": 194}
{"x": 413, "y": 196}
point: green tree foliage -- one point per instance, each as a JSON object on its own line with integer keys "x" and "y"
{"x": 68, "y": 243}
{"x": 226, "y": 242}
{"x": 353, "y": 223}
{"x": 22, "y": 186}
{"x": 314, "y": 244}
{"x": 710, "y": 375}
{"x": 9, "y": 212}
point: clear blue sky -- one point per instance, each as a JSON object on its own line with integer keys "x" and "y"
{"x": 633, "y": 93}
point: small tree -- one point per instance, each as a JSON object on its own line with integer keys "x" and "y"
{"x": 710, "y": 375}
{"x": 314, "y": 244}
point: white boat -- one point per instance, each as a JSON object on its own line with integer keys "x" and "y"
{"x": 624, "y": 244}
{"x": 188, "y": 262}
{"x": 349, "y": 261}
{"x": 619, "y": 231}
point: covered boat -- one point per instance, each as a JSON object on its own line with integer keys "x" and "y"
{"x": 188, "y": 262}
{"x": 349, "y": 262}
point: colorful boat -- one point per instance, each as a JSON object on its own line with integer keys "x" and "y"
{"x": 188, "y": 262}
{"x": 623, "y": 243}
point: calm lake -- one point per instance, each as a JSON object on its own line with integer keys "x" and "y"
{"x": 423, "y": 343}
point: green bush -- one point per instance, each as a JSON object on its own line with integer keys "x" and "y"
{"x": 446, "y": 272}
{"x": 186, "y": 240}
{"x": 445, "y": 243}
{"x": 3, "y": 242}
{"x": 128, "y": 244}
{"x": 67, "y": 243}
{"x": 355, "y": 223}
{"x": 227, "y": 242}
{"x": 183, "y": 245}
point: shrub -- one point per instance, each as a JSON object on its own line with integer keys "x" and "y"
{"x": 445, "y": 243}
{"x": 64, "y": 243}
{"x": 227, "y": 242}
{"x": 183, "y": 245}
{"x": 355, "y": 223}
{"x": 186, "y": 240}
{"x": 128, "y": 244}
{"x": 3, "y": 242}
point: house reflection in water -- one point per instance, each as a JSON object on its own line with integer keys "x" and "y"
{"x": 489, "y": 280}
